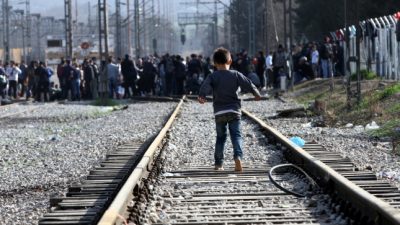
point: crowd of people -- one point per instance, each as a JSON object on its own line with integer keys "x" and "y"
{"x": 22, "y": 80}
{"x": 303, "y": 62}
{"x": 167, "y": 75}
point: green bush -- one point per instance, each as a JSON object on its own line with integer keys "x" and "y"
{"x": 105, "y": 102}
{"x": 389, "y": 91}
{"x": 387, "y": 130}
{"x": 365, "y": 75}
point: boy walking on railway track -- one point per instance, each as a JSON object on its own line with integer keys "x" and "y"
{"x": 224, "y": 85}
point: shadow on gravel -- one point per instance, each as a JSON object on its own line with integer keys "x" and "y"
{"x": 6, "y": 122}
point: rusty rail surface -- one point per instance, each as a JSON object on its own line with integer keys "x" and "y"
{"x": 115, "y": 213}
{"x": 369, "y": 207}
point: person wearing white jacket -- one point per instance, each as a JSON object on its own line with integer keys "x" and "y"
{"x": 13, "y": 73}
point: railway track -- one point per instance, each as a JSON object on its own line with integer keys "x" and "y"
{"x": 85, "y": 203}
{"x": 149, "y": 193}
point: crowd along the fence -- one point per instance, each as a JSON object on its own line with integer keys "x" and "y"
{"x": 379, "y": 45}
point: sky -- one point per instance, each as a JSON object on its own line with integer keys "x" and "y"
{"x": 55, "y": 8}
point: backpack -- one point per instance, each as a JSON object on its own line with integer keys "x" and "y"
{"x": 77, "y": 74}
{"x": 180, "y": 72}
{"x": 327, "y": 51}
{"x": 95, "y": 70}
{"x": 3, "y": 79}
{"x": 170, "y": 66}
{"x": 279, "y": 59}
{"x": 49, "y": 72}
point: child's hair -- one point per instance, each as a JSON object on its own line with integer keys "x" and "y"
{"x": 221, "y": 56}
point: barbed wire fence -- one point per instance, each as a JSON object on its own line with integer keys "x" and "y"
{"x": 379, "y": 46}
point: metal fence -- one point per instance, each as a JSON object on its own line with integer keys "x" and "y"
{"x": 379, "y": 46}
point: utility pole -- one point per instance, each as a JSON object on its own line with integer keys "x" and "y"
{"x": 103, "y": 52}
{"x": 89, "y": 17}
{"x": 266, "y": 26}
{"x": 153, "y": 27}
{"x": 216, "y": 39}
{"x": 21, "y": 12}
{"x": 358, "y": 53}
{"x": 252, "y": 26}
{"x": 38, "y": 24}
{"x": 24, "y": 42}
{"x": 144, "y": 30}
{"x": 118, "y": 40}
{"x": 346, "y": 57}
{"x": 103, "y": 29}
{"x": 6, "y": 30}
{"x": 137, "y": 30}
{"x": 100, "y": 47}
{"x": 158, "y": 33}
{"x": 227, "y": 31}
{"x": 128, "y": 27}
{"x": 290, "y": 23}
{"x": 68, "y": 28}
{"x": 28, "y": 28}
{"x": 233, "y": 28}
{"x": 284, "y": 23}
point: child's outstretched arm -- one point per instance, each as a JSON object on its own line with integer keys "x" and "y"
{"x": 246, "y": 85}
{"x": 205, "y": 89}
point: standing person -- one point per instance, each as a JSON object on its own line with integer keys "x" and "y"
{"x": 270, "y": 71}
{"x": 162, "y": 76}
{"x": 169, "y": 74}
{"x": 129, "y": 74}
{"x": 194, "y": 65}
{"x": 76, "y": 82}
{"x": 61, "y": 78}
{"x": 3, "y": 81}
{"x": 260, "y": 68}
{"x": 8, "y": 70}
{"x": 14, "y": 72}
{"x": 31, "y": 80}
{"x": 279, "y": 62}
{"x": 43, "y": 84}
{"x": 315, "y": 60}
{"x": 113, "y": 71}
{"x": 326, "y": 58}
{"x": 297, "y": 53}
{"x": 180, "y": 73}
{"x": 103, "y": 80}
{"x": 88, "y": 76}
{"x": 67, "y": 77}
{"x": 244, "y": 63}
{"x": 339, "y": 65}
{"x": 149, "y": 76}
{"x": 224, "y": 84}
{"x": 22, "y": 78}
{"x": 207, "y": 68}
{"x": 94, "y": 84}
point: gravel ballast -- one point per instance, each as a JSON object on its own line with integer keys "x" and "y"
{"x": 51, "y": 146}
{"x": 191, "y": 146}
{"x": 353, "y": 143}
{"x": 47, "y": 147}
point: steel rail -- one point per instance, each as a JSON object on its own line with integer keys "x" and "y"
{"x": 115, "y": 213}
{"x": 368, "y": 205}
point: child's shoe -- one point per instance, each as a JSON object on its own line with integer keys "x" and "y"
{"x": 238, "y": 165}
{"x": 219, "y": 168}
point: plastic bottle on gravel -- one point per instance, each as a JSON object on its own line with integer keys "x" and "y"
{"x": 298, "y": 141}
